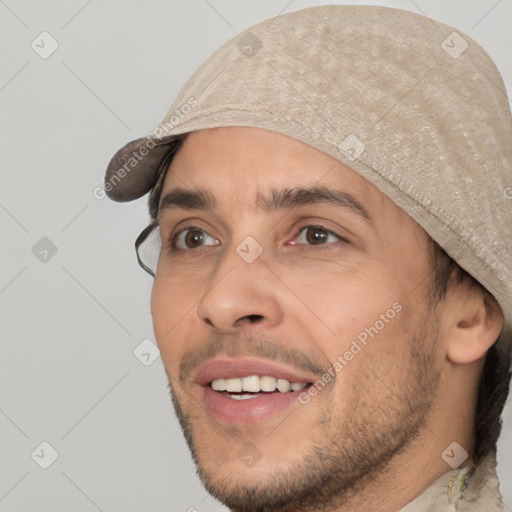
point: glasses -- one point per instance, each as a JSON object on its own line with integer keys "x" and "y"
{"x": 147, "y": 247}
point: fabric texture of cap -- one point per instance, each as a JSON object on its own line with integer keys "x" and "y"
{"x": 413, "y": 105}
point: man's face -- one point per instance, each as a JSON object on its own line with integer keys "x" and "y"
{"x": 337, "y": 297}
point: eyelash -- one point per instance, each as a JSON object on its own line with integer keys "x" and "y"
{"x": 173, "y": 238}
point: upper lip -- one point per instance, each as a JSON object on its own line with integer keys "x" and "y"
{"x": 228, "y": 368}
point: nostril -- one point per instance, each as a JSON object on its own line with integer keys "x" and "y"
{"x": 253, "y": 318}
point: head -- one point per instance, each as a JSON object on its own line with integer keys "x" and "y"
{"x": 319, "y": 185}
{"x": 352, "y": 298}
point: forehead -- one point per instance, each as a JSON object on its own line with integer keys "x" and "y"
{"x": 253, "y": 160}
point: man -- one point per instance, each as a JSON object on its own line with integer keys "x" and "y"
{"x": 332, "y": 299}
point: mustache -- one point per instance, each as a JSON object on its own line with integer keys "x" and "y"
{"x": 249, "y": 345}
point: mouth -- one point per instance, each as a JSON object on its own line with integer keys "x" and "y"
{"x": 245, "y": 391}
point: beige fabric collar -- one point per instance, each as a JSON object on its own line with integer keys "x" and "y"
{"x": 462, "y": 491}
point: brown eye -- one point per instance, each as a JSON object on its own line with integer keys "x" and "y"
{"x": 316, "y": 235}
{"x": 192, "y": 238}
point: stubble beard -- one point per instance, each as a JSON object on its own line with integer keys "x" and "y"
{"x": 346, "y": 453}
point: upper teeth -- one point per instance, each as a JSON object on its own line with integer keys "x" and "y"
{"x": 254, "y": 384}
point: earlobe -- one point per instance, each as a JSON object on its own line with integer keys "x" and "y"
{"x": 475, "y": 324}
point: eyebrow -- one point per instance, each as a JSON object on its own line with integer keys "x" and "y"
{"x": 288, "y": 198}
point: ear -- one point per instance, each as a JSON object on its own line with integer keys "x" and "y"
{"x": 473, "y": 321}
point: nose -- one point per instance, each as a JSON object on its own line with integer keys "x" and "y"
{"x": 240, "y": 295}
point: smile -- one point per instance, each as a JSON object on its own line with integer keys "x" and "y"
{"x": 245, "y": 391}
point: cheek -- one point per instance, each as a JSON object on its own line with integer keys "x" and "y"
{"x": 361, "y": 305}
{"x": 161, "y": 308}
{"x": 368, "y": 313}
{"x": 171, "y": 300}
{"x": 172, "y": 310}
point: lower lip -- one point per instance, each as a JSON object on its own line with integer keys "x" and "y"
{"x": 246, "y": 412}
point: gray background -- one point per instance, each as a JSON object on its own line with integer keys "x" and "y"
{"x": 70, "y": 321}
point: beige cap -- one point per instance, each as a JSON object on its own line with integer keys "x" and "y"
{"x": 414, "y": 106}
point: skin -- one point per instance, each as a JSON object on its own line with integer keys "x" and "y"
{"x": 370, "y": 440}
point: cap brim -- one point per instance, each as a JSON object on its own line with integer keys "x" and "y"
{"x": 132, "y": 171}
